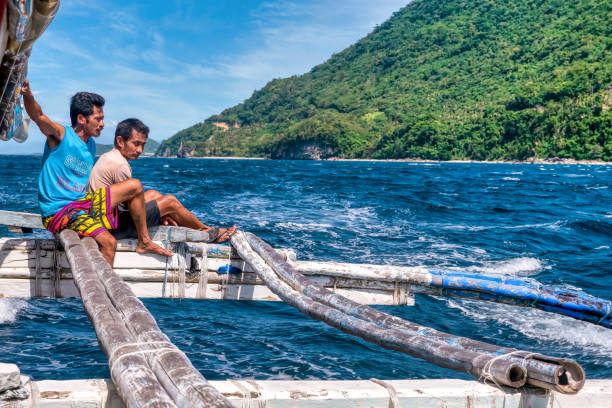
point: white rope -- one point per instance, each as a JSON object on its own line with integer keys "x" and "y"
{"x": 225, "y": 278}
{"x": 181, "y": 269}
{"x": 203, "y": 278}
{"x": 246, "y": 393}
{"x": 167, "y": 246}
{"x": 261, "y": 400}
{"x": 393, "y": 398}
{"x": 113, "y": 359}
{"x": 486, "y": 376}
{"x": 175, "y": 270}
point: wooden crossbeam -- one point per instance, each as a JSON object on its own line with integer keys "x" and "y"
{"x": 26, "y": 222}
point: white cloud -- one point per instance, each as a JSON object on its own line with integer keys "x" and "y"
{"x": 121, "y": 53}
{"x": 296, "y": 37}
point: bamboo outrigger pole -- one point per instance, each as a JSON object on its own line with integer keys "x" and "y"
{"x": 509, "y": 290}
{"x": 502, "y": 366}
{"x": 136, "y": 383}
{"x": 171, "y": 370}
{"x": 184, "y": 383}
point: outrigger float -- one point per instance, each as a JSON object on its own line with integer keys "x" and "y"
{"x": 335, "y": 293}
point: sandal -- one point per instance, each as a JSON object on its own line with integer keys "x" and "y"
{"x": 218, "y": 235}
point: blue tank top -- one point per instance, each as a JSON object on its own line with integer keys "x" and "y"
{"x": 65, "y": 171}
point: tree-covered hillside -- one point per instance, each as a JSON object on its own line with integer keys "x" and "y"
{"x": 441, "y": 79}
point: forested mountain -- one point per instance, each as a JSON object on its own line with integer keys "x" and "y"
{"x": 441, "y": 79}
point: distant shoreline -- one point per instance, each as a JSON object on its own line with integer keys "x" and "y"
{"x": 534, "y": 161}
{"x": 410, "y": 160}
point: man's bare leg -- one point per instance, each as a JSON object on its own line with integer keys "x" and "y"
{"x": 171, "y": 206}
{"x": 108, "y": 246}
{"x": 131, "y": 191}
{"x": 151, "y": 195}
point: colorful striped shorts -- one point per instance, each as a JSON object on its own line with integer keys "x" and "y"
{"x": 88, "y": 216}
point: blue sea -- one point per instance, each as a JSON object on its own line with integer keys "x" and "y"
{"x": 549, "y": 222}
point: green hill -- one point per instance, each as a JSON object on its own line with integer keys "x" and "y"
{"x": 441, "y": 79}
{"x": 150, "y": 148}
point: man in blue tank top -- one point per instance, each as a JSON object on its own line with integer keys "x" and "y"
{"x": 67, "y": 161}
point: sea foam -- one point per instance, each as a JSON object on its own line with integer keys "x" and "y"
{"x": 10, "y": 308}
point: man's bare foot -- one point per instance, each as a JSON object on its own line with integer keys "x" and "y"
{"x": 150, "y": 247}
{"x": 225, "y": 234}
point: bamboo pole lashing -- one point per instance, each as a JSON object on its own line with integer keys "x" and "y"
{"x": 509, "y": 373}
{"x": 181, "y": 380}
{"x": 134, "y": 380}
{"x": 203, "y": 276}
{"x": 560, "y": 374}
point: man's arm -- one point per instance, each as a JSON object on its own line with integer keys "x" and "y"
{"x": 53, "y": 131}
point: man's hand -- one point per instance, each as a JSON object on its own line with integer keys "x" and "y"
{"x": 169, "y": 221}
{"x": 25, "y": 89}
{"x": 53, "y": 131}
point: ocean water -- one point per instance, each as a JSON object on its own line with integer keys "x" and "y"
{"x": 549, "y": 222}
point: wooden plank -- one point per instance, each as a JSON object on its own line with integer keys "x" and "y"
{"x": 174, "y": 234}
{"x": 21, "y": 219}
{"x": 25, "y": 288}
{"x": 26, "y": 243}
{"x": 448, "y": 393}
{"x": 136, "y": 383}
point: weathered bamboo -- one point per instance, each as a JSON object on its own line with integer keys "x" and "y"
{"x": 135, "y": 382}
{"x": 184, "y": 383}
{"x": 547, "y": 372}
{"x": 385, "y": 273}
{"x": 478, "y": 364}
{"x": 513, "y": 291}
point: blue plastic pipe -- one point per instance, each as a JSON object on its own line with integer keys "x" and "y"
{"x": 524, "y": 292}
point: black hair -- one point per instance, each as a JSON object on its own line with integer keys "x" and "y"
{"x": 82, "y": 103}
{"x": 124, "y": 129}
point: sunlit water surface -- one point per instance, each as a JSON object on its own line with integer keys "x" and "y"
{"x": 549, "y": 222}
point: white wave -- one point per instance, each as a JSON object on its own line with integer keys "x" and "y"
{"x": 522, "y": 266}
{"x": 302, "y": 226}
{"x": 577, "y": 175}
{"x": 358, "y": 214}
{"x": 511, "y": 179}
{"x": 10, "y": 308}
{"x": 459, "y": 227}
{"x": 308, "y": 227}
{"x": 542, "y": 326}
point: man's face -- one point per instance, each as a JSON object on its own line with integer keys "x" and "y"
{"x": 132, "y": 148}
{"x": 94, "y": 123}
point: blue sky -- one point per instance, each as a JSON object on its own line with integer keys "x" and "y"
{"x": 174, "y": 63}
